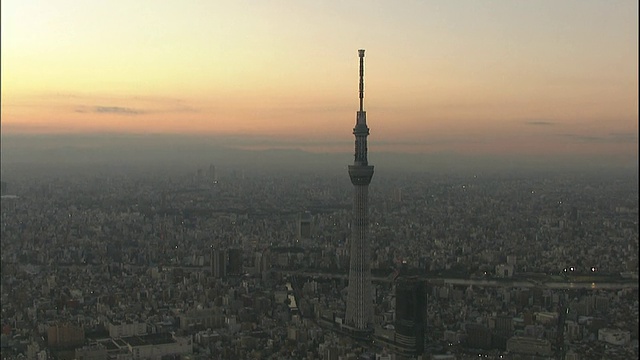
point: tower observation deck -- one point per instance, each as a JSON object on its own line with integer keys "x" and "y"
{"x": 359, "y": 302}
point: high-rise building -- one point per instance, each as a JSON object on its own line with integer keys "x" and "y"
{"x": 504, "y": 325}
{"x": 213, "y": 176}
{"x": 359, "y": 313}
{"x": 478, "y": 336}
{"x": 218, "y": 263}
{"x": 235, "y": 265}
{"x": 411, "y": 307}
{"x": 304, "y": 225}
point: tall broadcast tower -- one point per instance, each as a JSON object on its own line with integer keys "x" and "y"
{"x": 359, "y": 302}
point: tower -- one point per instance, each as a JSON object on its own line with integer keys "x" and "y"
{"x": 359, "y": 302}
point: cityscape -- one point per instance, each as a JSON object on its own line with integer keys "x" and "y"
{"x": 234, "y": 265}
{"x": 187, "y": 180}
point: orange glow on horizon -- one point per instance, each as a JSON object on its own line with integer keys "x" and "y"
{"x": 489, "y": 78}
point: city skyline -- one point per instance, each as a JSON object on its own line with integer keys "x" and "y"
{"x": 502, "y": 257}
{"x": 493, "y": 78}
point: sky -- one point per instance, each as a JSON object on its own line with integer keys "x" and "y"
{"x": 534, "y": 77}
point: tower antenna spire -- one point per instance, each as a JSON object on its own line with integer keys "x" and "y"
{"x": 359, "y": 314}
{"x": 361, "y": 54}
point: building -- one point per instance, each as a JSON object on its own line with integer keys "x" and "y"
{"x": 94, "y": 351}
{"x": 218, "y": 263}
{"x": 411, "y": 304}
{"x": 158, "y": 346}
{"x": 574, "y": 215}
{"x": 118, "y": 329}
{"x": 202, "y": 319}
{"x": 305, "y": 221}
{"x": 572, "y": 330}
{"x": 265, "y": 263}
{"x": 614, "y": 336}
{"x": 478, "y": 336}
{"x": 397, "y": 195}
{"x": 546, "y": 318}
{"x": 504, "y": 270}
{"x": 602, "y": 303}
{"x": 213, "y": 176}
{"x": 570, "y": 355}
{"x": 359, "y": 312}
{"x": 504, "y": 325}
{"x": 530, "y": 346}
{"x": 234, "y": 266}
{"x": 65, "y": 335}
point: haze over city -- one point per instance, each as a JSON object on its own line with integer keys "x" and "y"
{"x": 538, "y": 80}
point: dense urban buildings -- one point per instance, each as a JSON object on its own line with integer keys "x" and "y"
{"x": 103, "y": 254}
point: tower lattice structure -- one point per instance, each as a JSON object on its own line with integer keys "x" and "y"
{"x": 359, "y": 302}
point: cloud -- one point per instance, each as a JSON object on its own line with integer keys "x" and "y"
{"x": 109, "y": 110}
{"x": 116, "y": 110}
{"x": 539, "y": 123}
{"x": 173, "y": 108}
